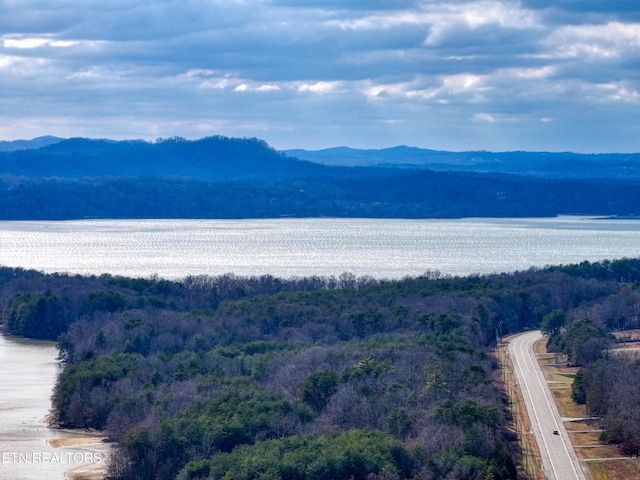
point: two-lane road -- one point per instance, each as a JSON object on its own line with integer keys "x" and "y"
{"x": 559, "y": 459}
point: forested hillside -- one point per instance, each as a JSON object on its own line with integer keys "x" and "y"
{"x": 315, "y": 378}
{"x": 211, "y": 158}
{"x": 219, "y": 177}
{"x": 382, "y": 194}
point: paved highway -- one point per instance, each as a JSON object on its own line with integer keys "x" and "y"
{"x": 559, "y": 460}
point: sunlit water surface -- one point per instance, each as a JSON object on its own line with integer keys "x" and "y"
{"x": 388, "y": 248}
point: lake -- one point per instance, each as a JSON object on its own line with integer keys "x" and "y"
{"x": 382, "y": 248}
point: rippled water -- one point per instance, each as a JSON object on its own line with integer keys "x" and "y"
{"x": 387, "y": 248}
{"x": 27, "y": 376}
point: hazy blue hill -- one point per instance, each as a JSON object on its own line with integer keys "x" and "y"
{"x": 222, "y": 158}
{"x": 12, "y": 145}
{"x": 540, "y": 164}
{"x": 209, "y": 158}
{"x": 345, "y": 156}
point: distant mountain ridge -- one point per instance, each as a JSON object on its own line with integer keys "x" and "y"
{"x": 13, "y": 145}
{"x": 226, "y": 158}
{"x": 209, "y": 158}
{"x": 538, "y": 164}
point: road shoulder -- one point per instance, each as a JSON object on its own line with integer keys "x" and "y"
{"x": 603, "y": 462}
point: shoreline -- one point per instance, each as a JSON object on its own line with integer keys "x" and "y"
{"x": 93, "y": 444}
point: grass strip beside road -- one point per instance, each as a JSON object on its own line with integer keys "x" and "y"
{"x": 604, "y": 461}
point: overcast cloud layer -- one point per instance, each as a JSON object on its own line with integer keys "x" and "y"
{"x": 456, "y": 75}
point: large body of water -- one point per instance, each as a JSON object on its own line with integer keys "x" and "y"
{"x": 382, "y": 248}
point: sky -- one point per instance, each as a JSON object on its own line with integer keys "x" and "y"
{"x": 497, "y": 75}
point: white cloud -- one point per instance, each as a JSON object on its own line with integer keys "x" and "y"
{"x": 444, "y": 15}
{"x": 381, "y": 21}
{"x": 619, "y": 92}
{"x": 7, "y": 60}
{"x": 373, "y": 90}
{"x": 29, "y": 43}
{"x": 221, "y": 82}
{"x": 595, "y": 41}
{"x": 484, "y": 117}
{"x": 268, "y": 88}
{"x": 449, "y": 22}
{"x": 202, "y": 73}
{"x": 462, "y": 83}
{"x": 321, "y": 87}
{"x": 93, "y": 72}
{"x": 532, "y": 73}
{"x": 17, "y": 68}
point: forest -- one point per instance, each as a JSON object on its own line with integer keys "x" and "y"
{"x": 319, "y": 378}
{"x": 608, "y": 381}
{"x": 397, "y": 194}
{"x": 219, "y": 177}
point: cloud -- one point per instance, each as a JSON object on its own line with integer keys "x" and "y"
{"x": 618, "y": 8}
{"x": 604, "y": 41}
{"x": 485, "y": 117}
{"x": 21, "y": 43}
{"x": 502, "y": 74}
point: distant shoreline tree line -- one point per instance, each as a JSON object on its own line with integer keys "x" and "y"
{"x": 318, "y": 378}
{"x": 391, "y": 194}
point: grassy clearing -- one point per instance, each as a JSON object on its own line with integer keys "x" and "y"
{"x": 584, "y": 438}
{"x": 614, "y": 469}
{"x": 566, "y": 405}
{"x": 582, "y": 426}
{"x": 560, "y": 377}
{"x": 603, "y": 451}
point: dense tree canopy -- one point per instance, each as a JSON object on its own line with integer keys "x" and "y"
{"x": 375, "y": 193}
{"x": 230, "y": 377}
